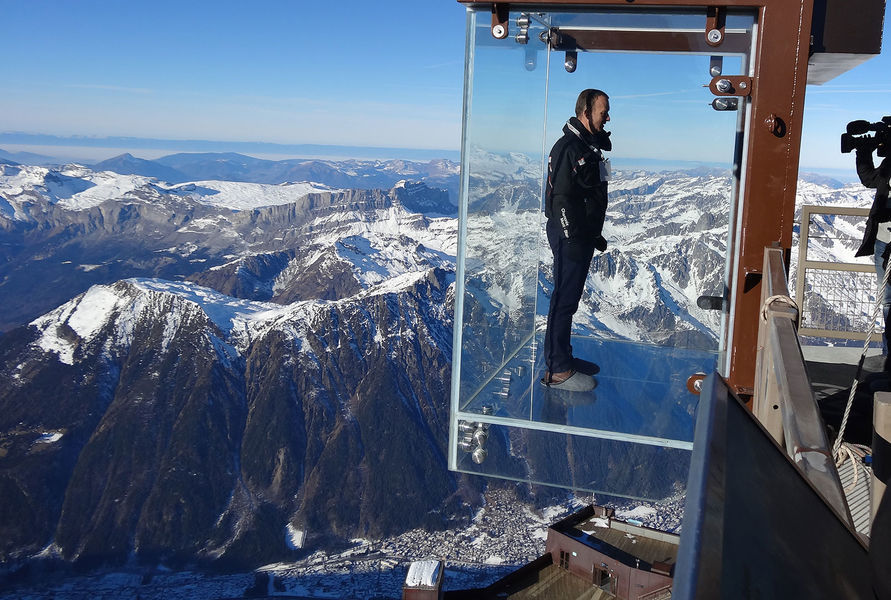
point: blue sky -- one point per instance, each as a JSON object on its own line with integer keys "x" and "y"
{"x": 275, "y": 71}
{"x": 386, "y": 73}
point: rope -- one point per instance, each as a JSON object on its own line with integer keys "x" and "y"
{"x": 880, "y": 298}
{"x": 855, "y": 453}
{"x": 782, "y": 299}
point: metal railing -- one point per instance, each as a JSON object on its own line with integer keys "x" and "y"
{"x": 835, "y": 297}
{"x": 784, "y": 401}
{"x": 662, "y": 593}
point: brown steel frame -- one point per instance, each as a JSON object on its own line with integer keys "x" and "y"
{"x": 771, "y": 155}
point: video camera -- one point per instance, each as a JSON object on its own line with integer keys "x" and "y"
{"x": 855, "y": 138}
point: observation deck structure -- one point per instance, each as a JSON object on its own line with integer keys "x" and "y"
{"x": 709, "y": 93}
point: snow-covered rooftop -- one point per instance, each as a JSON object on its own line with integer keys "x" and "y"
{"x": 424, "y": 573}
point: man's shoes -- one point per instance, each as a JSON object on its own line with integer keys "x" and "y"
{"x": 585, "y": 367}
{"x": 574, "y": 382}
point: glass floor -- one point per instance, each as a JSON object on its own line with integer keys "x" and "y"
{"x": 630, "y": 436}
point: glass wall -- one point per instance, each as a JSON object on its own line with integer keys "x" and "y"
{"x": 654, "y": 308}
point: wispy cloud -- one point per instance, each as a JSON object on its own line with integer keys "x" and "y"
{"x": 654, "y": 94}
{"x": 110, "y": 88}
{"x": 853, "y": 90}
{"x": 450, "y": 63}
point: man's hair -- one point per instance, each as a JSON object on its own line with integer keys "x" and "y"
{"x": 586, "y": 99}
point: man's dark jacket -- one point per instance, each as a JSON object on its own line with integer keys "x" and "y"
{"x": 880, "y": 212}
{"x": 576, "y": 197}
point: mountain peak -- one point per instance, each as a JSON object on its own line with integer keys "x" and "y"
{"x": 127, "y": 164}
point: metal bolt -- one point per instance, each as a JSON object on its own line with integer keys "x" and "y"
{"x": 697, "y": 385}
{"x": 715, "y": 70}
{"x": 715, "y": 36}
{"x": 742, "y": 85}
{"x": 498, "y": 31}
{"x": 480, "y": 436}
{"x": 725, "y": 104}
{"x": 523, "y": 20}
{"x": 724, "y": 86}
{"x": 523, "y": 36}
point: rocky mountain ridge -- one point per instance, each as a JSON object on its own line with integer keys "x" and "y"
{"x": 184, "y": 427}
{"x": 64, "y": 230}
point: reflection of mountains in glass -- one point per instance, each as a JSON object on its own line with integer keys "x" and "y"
{"x": 667, "y": 242}
{"x": 630, "y": 436}
{"x": 582, "y": 463}
{"x": 638, "y": 320}
{"x": 641, "y": 391}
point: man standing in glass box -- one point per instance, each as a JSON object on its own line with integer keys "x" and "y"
{"x": 575, "y": 206}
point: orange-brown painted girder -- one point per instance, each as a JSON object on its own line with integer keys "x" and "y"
{"x": 772, "y": 152}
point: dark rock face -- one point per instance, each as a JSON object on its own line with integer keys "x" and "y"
{"x": 180, "y": 443}
{"x": 151, "y": 419}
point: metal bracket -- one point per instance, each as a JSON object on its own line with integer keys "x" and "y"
{"x": 500, "y": 16}
{"x": 714, "y": 25}
{"x": 731, "y": 85}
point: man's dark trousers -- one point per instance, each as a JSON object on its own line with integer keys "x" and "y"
{"x": 569, "y": 283}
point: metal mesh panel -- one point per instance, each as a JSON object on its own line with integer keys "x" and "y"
{"x": 840, "y": 301}
{"x": 835, "y": 290}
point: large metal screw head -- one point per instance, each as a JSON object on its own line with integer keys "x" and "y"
{"x": 724, "y": 86}
{"x": 715, "y": 36}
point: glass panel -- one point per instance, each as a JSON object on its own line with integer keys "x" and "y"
{"x": 599, "y": 465}
{"x": 501, "y": 183}
{"x": 675, "y": 169}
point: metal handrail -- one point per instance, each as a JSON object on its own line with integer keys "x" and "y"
{"x": 784, "y": 401}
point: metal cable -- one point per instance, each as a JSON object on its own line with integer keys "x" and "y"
{"x": 880, "y": 300}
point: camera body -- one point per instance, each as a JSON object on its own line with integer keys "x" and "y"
{"x": 856, "y": 138}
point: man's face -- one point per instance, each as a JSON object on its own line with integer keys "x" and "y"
{"x": 598, "y": 114}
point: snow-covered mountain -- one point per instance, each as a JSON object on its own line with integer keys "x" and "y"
{"x": 212, "y": 424}
{"x": 74, "y": 227}
{"x": 228, "y": 414}
{"x": 198, "y": 370}
{"x": 214, "y": 166}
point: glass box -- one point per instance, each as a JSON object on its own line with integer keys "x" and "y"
{"x": 654, "y": 313}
